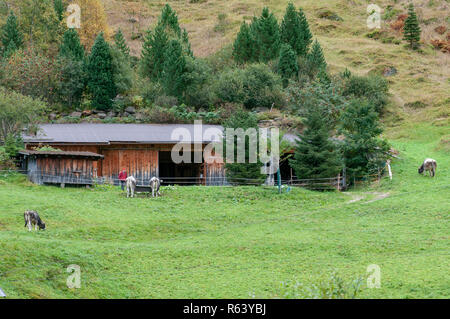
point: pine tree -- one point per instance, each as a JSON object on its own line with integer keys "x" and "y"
{"x": 153, "y": 52}
{"x": 242, "y": 172}
{"x": 412, "y": 30}
{"x": 316, "y": 59}
{"x": 287, "y": 63}
{"x": 174, "y": 67}
{"x": 169, "y": 20}
{"x": 59, "y": 8}
{"x": 187, "y": 44}
{"x": 11, "y": 37}
{"x": 361, "y": 127}
{"x": 315, "y": 155}
{"x": 243, "y": 45}
{"x": 294, "y": 30}
{"x": 120, "y": 43}
{"x": 267, "y": 36}
{"x": 100, "y": 75}
{"x": 71, "y": 47}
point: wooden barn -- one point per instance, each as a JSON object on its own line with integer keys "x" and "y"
{"x": 54, "y": 167}
{"x": 143, "y": 150}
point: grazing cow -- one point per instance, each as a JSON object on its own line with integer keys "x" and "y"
{"x": 32, "y": 218}
{"x": 131, "y": 186}
{"x": 428, "y": 165}
{"x": 155, "y": 184}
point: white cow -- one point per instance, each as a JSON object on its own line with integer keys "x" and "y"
{"x": 131, "y": 186}
{"x": 155, "y": 184}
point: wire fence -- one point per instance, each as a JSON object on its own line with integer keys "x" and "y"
{"x": 340, "y": 182}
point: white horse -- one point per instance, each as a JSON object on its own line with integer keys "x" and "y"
{"x": 131, "y": 186}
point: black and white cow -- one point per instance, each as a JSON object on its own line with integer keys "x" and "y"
{"x": 131, "y": 186}
{"x": 430, "y": 165}
{"x": 155, "y": 184}
{"x": 32, "y": 218}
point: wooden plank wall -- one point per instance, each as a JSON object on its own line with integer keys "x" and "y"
{"x": 142, "y": 164}
{"x": 64, "y": 166}
{"x": 140, "y": 160}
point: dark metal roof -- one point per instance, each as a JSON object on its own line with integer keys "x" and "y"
{"x": 60, "y": 153}
{"x": 87, "y": 133}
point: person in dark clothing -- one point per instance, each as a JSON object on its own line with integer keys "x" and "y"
{"x": 122, "y": 178}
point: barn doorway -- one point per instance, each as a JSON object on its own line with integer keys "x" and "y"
{"x": 180, "y": 174}
{"x": 286, "y": 171}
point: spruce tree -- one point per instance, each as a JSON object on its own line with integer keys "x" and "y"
{"x": 362, "y": 147}
{"x": 294, "y": 30}
{"x": 316, "y": 59}
{"x": 153, "y": 52}
{"x": 71, "y": 84}
{"x": 186, "y": 44}
{"x": 243, "y": 45}
{"x": 267, "y": 36}
{"x": 169, "y": 20}
{"x": 71, "y": 47}
{"x": 315, "y": 156}
{"x": 120, "y": 43}
{"x": 411, "y": 31}
{"x": 174, "y": 68}
{"x": 100, "y": 75}
{"x": 287, "y": 63}
{"x": 11, "y": 37}
{"x": 59, "y": 9}
{"x": 242, "y": 172}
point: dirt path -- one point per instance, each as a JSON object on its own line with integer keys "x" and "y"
{"x": 359, "y": 197}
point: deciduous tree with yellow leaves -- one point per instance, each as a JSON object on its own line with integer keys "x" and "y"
{"x": 93, "y": 22}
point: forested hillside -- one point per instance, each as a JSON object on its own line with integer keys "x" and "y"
{"x": 295, "y": 65}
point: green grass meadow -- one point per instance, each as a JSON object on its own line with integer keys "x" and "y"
{"x": 240, "y": 242}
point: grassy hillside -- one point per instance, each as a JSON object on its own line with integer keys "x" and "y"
{"x": 198, "y": 242}
{"x": 422, "y": 81}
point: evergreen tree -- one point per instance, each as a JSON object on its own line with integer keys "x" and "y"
{"x": 243, "y": 45}
{"x": 253, "y": 28}
{"x": 10, "y": 50}
{"x": 11, "y": 37}
{"x": 294, "y": 30}
{"x": 71, "y": 84}
{"x": 242, "y": 172}
{"x": 153, "y": 52}
{"x": 169, "y": 20}
{"x": 59, "y": 9}
{"x": 267, "y": 36}
{"x": 120, "y": 43}
{"x": 174, "y": 67}
{"x": 315, "y": 155}
{"x": 71, "y": 47}
{"x": 287, "y": 63}
{"x": 100, "y": 75}
{"x": 363, "y": 151}
{"x": 187, "y": 44}
{"x": 412, "y": 30}
{"x": 315, "y": 59}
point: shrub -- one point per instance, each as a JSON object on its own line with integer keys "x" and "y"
{"x": 229, "y": 86}
{"x": 18, "y": 111}
{"x": 373, "y": 88}
{"x": 333, "y": 288}
{"x": 6, "y": 162}
{"x": 262, "y": 87}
